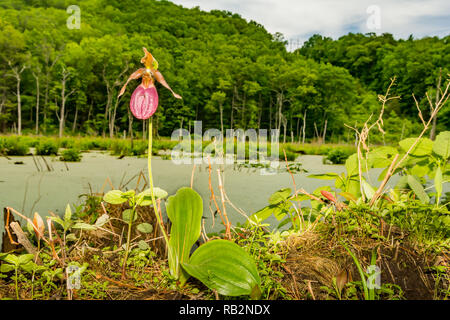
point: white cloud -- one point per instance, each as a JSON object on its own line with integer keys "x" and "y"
{"x": 298, "y": 19}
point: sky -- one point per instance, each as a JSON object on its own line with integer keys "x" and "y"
{"x": 297, "y": 20}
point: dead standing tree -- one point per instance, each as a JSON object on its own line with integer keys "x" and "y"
{"x": 111, "y": 85}
{"x": 64, "y": 96}
{"x": 17, "y": 73}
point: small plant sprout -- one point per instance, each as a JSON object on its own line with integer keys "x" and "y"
{"x": 117, "y": 197}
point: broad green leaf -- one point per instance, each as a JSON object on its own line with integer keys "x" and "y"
{"x": 83, "y": 226}
{"x": 25, "y": 258}
{"x": 58, "y": 220}
{"x": 12, "y": 259}
{"x": 348, "y": 196}
{"x": 422, "y": 148}
{"x": 420, "y": 170}
{"x": 263, "y": 214}
{"x": 126, "y": 215}
{"x": 300, "y": 197}
{"x": 102, "y": 220}
{"x": 68, "y": 213}
{"x": 368, "y": 190}
{"x": 418, "y": 189}
{"x": 143, "y": 245}
{"x": 114, "y": 197}
{"x": 438, "y": 183}
{"x": 402, "y": 183}
{"x": 4, "y": 268}
{"x": 280, "y": 212}
{"x": 145, "y": 197}
{"x": 324, "y": 176}
{"x": 128, "y": 194}
{"x": 442, "y": 145}
{"x": 71, "y": 237}
{"x": 224, "y": 266}
{"x": 30, "y": 266}
{"x": 280, "y": 196}
{"x": 353, "y": 187}
{"x": 185, "y": 210}
{"x": 145, "y": 227}
{"x": 351, "y": 164}
{"x": 382, "y": 157}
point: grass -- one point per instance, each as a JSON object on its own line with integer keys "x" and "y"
{"x": 19, "y": 146}
{"x": 71, "y": 155}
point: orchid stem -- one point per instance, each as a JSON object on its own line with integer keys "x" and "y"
{"x": 150, "y": 177}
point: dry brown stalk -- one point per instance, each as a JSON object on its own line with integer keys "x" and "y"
{"x": 426, "y": 124}
{"x": 224, "y": 210}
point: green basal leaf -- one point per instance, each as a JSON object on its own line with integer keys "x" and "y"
{"x": 418, "y": 189}
{"x": 224, "y": 266}
{"x": 114, "y": 197}
{"x": 185, "y": 210}
{"x": 422, "y": 148}
{"x": 280, "y": 196}
{"x": 442, "y": 145}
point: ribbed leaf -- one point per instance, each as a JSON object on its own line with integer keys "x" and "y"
{"x": 418, "y": 189}
{"x": 185, "y": 210}
{"x": 422, "y": 148}
{"x": 442, "y": 144}
{"x": 224, "y": 266}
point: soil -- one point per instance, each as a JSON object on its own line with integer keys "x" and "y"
{"x": 314, "y": 259}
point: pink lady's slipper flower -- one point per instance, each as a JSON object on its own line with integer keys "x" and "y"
{"x": 144, "y": 101}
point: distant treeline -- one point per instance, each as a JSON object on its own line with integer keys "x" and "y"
{"x": 230, "y": 72}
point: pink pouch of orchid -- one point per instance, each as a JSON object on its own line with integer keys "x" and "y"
{"x": 144, "y": 102}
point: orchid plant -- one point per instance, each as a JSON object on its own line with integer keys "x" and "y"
{"x": 143, "y": 104}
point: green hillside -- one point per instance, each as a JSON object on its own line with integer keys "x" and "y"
{"x": 230, "y": 72}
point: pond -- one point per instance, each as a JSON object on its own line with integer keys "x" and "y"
{"x": 27, "y": 190}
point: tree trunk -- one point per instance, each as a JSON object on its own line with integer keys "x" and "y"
{"x": 438, "y": 88}
{"x": 19, "y": 109}
{"x": 130, "y": 124}
{"x": 304, "y": 127}
{"x": 74, "y": 126}
{"x": 64, "y": 96}
{"x": 37, "y": 103}
{"x": 324, "y": 131}
{"x": 17, "y": 75}
{"x": 221, "y": 118}
{"x": 232, "y": 107}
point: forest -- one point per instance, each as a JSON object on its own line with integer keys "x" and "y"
{"x": 231, "y": 73}
{"x": 101, "y": 199}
